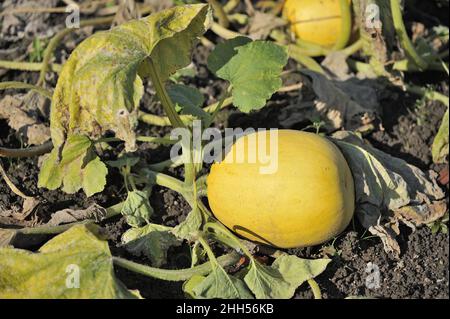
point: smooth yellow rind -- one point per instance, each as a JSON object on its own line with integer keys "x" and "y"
{"x": 315, "y": 21}
{"x": 307, "y": 201}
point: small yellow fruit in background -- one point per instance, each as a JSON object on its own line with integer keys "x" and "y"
{"x": 308, "y": 200}
{"x": 315, "y": 21}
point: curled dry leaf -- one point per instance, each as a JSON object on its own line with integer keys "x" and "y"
{"x": 261, "y": 24}
{"x": 65, "y": 216}
{"x": 16, "y": 26}
{"x": 350, "y": 104}
{"x": 127, "y": 11}
{"x": 23, "y": 120}
{"x": 389, "y": 190}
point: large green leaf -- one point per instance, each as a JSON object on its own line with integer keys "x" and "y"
{"x": 296, "y": 271}
{"x": 285, "y": 275}
{"x": 152, "y": 241}
{"x": 266, "y": 282}
{"x": 75, "y": 264}
{"x": 252, "y": 83}
{"x": 100, "y": 87}
{"x": 224, "y": 51}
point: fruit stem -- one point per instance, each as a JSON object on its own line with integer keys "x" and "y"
{"x": 222, "y": 230}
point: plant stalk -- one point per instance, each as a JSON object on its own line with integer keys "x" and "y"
{"x": 403, "y": 36}
{"x": 21, "y": 85}
{"x": 175, "y": 275}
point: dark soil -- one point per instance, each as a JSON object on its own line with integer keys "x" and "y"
{"x": 421, "y": 272}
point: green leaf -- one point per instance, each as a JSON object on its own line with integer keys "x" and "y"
{"x": 254, "y": 83}
{"x": 100, "y": 85}
{"x": 296, "y": 271}
{"x": 281, "y": 280}
{"x": 439, "y": 149}
{"x": 224, "y": 51}
{"x": 76, "y": 146}
{"x": 94, "y": 176}
{"x": 50, "y": 175}
{"x": 188, "y": 100}
{"x": 78, "y": 168}
{"x": 137, "y": 209}
{"x": 190, "y": 225}
{"x": 266, "y": 282}
{"x": 218, "y": 284}
{"x": 54, "y": 271}
{"x": 152, "y": 241}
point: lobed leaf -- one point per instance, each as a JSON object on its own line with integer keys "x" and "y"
{"x": 100, "y": 87}
{"x": 218, "y": 284}
{"x": 266, "y": 282}
{"x": 252, "y": 83}
{"x": 224, "y": 51}
{"x": 101, "y": 84}
{"x": 77, "y": 168}
{"x": 282, "y": 279}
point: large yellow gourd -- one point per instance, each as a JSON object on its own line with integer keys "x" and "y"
{"x": 315, "y": 21}
{"x": 308, "y": 200}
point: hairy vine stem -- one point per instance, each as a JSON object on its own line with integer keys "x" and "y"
{"x": 21, "y": 85}
{"x": 28, "y": 66}
{"x": 176, "y": 275}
